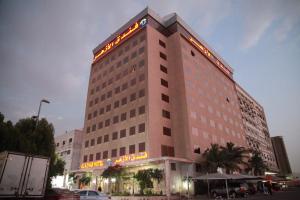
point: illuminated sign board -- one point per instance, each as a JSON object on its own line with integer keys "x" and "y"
{"x": 121, "y": 160}
{"x": 116, "y": 41}
{"x": 207, "y": 53}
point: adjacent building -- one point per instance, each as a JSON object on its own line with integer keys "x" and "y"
{"x": 256, "y": 128}
{"x": 281, "y": 155}
{"x": 68, "y": 147}
{"x": 158, "y": 97}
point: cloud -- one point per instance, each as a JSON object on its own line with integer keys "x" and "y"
{"x": 262, "y": 16}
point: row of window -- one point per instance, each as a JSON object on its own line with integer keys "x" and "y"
{"x": 120, "y": 52}
{"x": 64, "y": 142}
{"x": 119, "y": 76}
{"x": 114, "y": 152}
{"x": 117, "y": 104}
{"x": 117, "y": 119}
{"x": 117, "y": 90}
{"x": 123, "y": 133}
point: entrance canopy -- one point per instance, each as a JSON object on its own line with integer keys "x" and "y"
{"x": 219, "y": 176}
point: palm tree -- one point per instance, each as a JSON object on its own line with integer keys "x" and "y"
{"x": 116, "y": 172}
{"x": 234, "y": 157}
{"x": 256, "y": 164}
{"x": 213, "y": 158}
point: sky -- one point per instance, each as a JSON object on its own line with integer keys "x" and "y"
{"x": 46, "y": 52}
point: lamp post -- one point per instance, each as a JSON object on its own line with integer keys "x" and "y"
{"x": 37, "y": 118}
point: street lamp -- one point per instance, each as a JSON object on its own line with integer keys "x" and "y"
{"x": 37, "y": 117}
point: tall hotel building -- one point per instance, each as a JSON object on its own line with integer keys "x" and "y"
{"x": 158, "y": 96}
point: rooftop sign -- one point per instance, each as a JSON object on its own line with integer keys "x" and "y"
{"x": 116, "y": 41}
{"x": 213, "y": 58}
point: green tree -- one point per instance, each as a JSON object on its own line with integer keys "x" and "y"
{"x": 85, "y": 179}
{"x": 257, "y": 164}
{"x": 144, "y": 179}
{"x": 116, "y": 172}
{"x": 24, "y": 137}
{"x": 214, "y": 158}
{"x": 233, "y": 156}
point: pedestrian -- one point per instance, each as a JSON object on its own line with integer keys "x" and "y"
{"x": 269, "y": 186}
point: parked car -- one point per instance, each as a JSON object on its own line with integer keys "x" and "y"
{"x": 61, "y": 194}
{"x": 92, "y": 195}
{"x": 235, "y": 189}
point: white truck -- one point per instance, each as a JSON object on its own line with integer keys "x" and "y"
{"x": 22, "y": 176}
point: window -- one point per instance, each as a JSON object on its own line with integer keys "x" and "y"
{"x": 99, "y": 140}
{"x": 198, "y": 167}
{"x": 163, "y": 56}
{"x": 104, "y": 85}
{"x": 125, "y": 72}
{"x": 57, "y": 144}
{"x": 141, "y": 110}
{"x": 192, "y": 53}
{"x": 197, "y": 150}
{"x": 132, "y": 130}
{"x": 85, "y": 158}
{"x": 125, "y": 60}
{"x": 106, "y": 138}
{"x": 132, "y": 149}
{"x": 166, "y": 131}
{"x": 142, "y": 93}
{"x": 142, "y": 38}
{"x": 107, "y": 122}
{"x": 167, "y": 151}
{"x": 89, "y": 116}
{"x": 165, "y": 98}
{"x": 142, "y": 128}
{"x": 92, "y": 142}
{"x": 103, "y": 97}
{"x": 134, "y": 43}
{"x": 116, "y": 104}
{"x": 98, "y": 156}
{"x": 70, "y": 140}
{"x": 142, "y": 77}
{"x": 166, "y": 114}
{"x": 91, "y": 157}
{"x": 101, "y": 111}
{"x": 114, "y": 135}
{"x": 108, "y": 107}
{"x": 132, "y": 113}
{"x": 173, "y": 166}
{"x": 95, "y": 113}
{"x": 163, "y": 69}
{"x": 141, "y": 50}
{"x": 86, "y": 144}
{"x": 124, "y": 86}
{"x": 142, "y": 147}
{"x": 122, "y": 151}
{"x": 124, "y": 101}
{"x": 105, "y": 155}
{"x": 123, "y": 133}
{"x": 133, "y": 55}
{"x": 133, "y": 82}
{"x": 116, "y": 119}
{"x": 164, "y": 83}
{"x": 141, "y": 63}
{"x": 100, "y": 125}
{"x": 120, "y": 52}
{"x": 161, "y": 43}
{"x": 96, "y": 100}
{"x": 91, "y": 103}
{"x": 88, "y": 129}
{"x": 132, "y": 97}
{"x": 94, "y": 127}
{"x": 68, "y": 152}
{"x": 117, "y": 90}
{"x": 114, "y": 153}
{"x": 109, "y": 94}
{"x": 123, "y": 116}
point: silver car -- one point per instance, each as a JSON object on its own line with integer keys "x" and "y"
{"x": 92, "y": 195}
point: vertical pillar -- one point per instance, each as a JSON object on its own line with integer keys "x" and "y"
{"x": 167, "y": 177}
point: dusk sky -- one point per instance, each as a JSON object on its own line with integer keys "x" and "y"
{"x": 46, "y": 52}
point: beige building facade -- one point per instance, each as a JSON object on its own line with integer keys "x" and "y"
{"x": 158, "y": 96}
{"x": 256, "y": 128}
